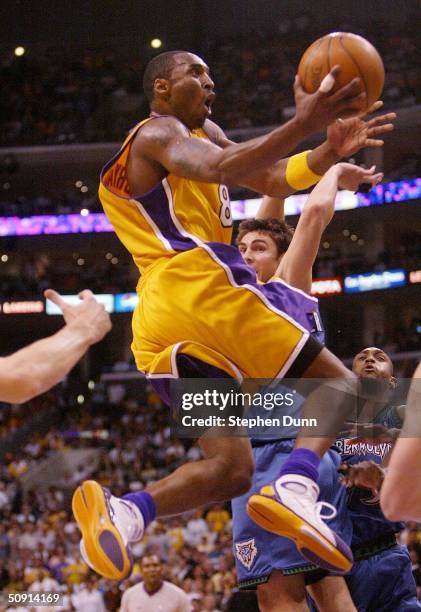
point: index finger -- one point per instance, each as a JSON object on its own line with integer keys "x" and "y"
{"x": 348, "y": 91}
{"x": 55, "y": 297}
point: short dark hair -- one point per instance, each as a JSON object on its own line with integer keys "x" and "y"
{"x": 159, "y": 67}
{"x": 151, "y": 555}
{"x": 279, "y": 231}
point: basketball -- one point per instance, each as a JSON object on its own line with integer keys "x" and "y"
{"x": 354, "y": 54}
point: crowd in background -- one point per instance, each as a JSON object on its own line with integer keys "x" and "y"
{"x": 39, "y": 540}
{"x": 25, "y": 276}
{"x": 59, "y": 97}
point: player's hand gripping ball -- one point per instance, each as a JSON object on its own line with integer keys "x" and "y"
{"x": 356, "y": 58}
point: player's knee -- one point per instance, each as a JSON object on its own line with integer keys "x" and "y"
{"x": 240, "y": 477}
{"x": 241, "y": 483}
{"x": 265, "y": 598}
{"x": 235, "y": 478}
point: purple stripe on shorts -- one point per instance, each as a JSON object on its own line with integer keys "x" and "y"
{"x": 293, "y": 303}
{"x": 188, "y": 367}
{"x": 157, "y": 207}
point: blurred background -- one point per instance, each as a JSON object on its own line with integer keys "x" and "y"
{"x": 70, "y": 90}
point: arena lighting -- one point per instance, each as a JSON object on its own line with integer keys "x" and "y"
{"x": 415, "y": 276}
{"x": 241, "y": 209}
{"x": 84, "y": 212}
{"x": 23, "y": 307}
{"x": 156, "y": 43}
{"x": 19, "y": 51}
{"x": 321, "y": 287}
{"x": 371, "y": 281}
{"x": 125, "y": 302}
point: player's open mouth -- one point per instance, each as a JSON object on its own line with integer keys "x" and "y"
{"x": 208, "y": 104}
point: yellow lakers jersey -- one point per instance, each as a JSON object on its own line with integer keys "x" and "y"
{"x": 176, "y": 215}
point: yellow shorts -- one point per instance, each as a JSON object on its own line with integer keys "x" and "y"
{"x": 206, "y": 303}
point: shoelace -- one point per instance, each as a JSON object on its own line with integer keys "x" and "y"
{"x": 319, "y": 508}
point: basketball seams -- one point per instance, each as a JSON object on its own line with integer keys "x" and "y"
{"x": 357, "y": 57}
{"x": 309, "y": 60}
{"x": 329, "y": 63}
{"x": 349, "y": 54}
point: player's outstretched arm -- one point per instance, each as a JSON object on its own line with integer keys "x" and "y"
{"x": 271, "y": 208}
{"x": 166, "y": 141}
{"x": 297, "y": 264}
{"x": 345, "y": 137}
{"x": 39, "y": 366}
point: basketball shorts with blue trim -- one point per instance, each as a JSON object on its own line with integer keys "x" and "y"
{"x": 258, "y": 552}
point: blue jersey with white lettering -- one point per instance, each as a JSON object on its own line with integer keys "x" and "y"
{"x": 368, "y": 521}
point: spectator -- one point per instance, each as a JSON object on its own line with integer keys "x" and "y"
{"x": 217, "y": 518}
{"x": 88, "y": 599}
{"x": 209, "y": 603}
{"x": 154, "y": 593}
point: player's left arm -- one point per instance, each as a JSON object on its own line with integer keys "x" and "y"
{"x": 271, "y": 208}
{"x": 344, "y": 138}
{"x": 297, "y": 264}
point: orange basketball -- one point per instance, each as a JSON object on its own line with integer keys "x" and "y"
{"x": 356, "y": 57}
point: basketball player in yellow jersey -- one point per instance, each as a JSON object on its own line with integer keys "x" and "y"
{"x": 165, "y": 194}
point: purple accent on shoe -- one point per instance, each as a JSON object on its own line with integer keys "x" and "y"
{"x": 311, "y": 556}
{"x": 112, "y": 549}
{"x": 285, "y": 485}
{"x": 145, "y": 502}
{"x": 343, "y": 547}
{"x": 302, "y": 461}
{"x": 340, "y": 545}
